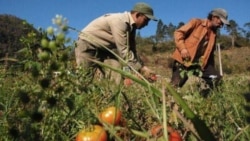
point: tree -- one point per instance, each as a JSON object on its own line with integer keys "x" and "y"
{"x": 160, "y": 32}
{"x": 180, "y": 24}
{"x": 170, "y": 31}
{"x": 233, "y": 31}
{"x": 247, "y": 32}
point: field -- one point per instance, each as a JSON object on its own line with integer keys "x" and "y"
{"x": 48, "y": 99}
{"x": 57, "y": 108}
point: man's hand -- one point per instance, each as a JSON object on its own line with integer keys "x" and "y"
{"x": 185, "y": 54}
{"x": 148, "y": 74}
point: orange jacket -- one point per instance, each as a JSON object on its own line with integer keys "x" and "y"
{"x": 189, "y": 36}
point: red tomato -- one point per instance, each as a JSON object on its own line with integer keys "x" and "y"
{"x": 111, "y": 115}
{"x": 97, "y": 134}
{"x": 175, "y": 136}
{"x": 127, "y": 82}
{"x": 157, "y": 130}
{"x": 153, "y": 77}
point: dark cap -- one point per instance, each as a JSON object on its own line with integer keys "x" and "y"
{"x": 222, "y": 14}
{"x": 145, "y": 9}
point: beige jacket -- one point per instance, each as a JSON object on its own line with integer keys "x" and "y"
{"x": 114, "y": 31}
{"x": 190, "y": 36}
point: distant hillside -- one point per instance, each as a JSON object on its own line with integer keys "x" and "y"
{"x": 235, "y": 60}
{"x": 12, "y": 29}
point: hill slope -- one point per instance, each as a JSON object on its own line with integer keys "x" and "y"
{"x": 235, "y": 60}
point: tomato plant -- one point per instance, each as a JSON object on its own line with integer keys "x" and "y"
{"x": 111, "y": 115}
{"x": 96, "y": 133}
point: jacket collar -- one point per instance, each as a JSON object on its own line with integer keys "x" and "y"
{"x": 204, "y": 22}
{"x": 132, "y": 22}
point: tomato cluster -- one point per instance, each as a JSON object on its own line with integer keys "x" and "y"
{"x": 110, "y": 115}
{"x": 113, "y": 116}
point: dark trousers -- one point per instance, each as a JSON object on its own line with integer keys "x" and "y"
{"x": 180, "y": 74}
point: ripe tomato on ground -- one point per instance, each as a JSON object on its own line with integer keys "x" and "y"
{"x": 127, "y": 82}
{"x": 96, "y": 133}
{"x": 157, "y": 132}
{"x": 153, "y": 77}
{"x": 175, "y": 136}
{"x": 111, "y": 115}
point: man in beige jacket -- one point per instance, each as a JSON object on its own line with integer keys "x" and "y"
{"x": 195, "y": 43}
{"x": 115, "y": 31}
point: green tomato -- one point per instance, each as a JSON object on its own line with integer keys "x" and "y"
{"x": 52, "y": 45}
{"x": 50, "y": 30}
{"x": 60, "y": 37}
{"x": 44, "y": 43}
{"x": 44, "y": 56}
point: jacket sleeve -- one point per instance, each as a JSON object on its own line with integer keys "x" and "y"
{"x": 183, "y": 32}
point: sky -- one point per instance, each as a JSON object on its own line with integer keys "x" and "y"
{"x": 80, "y": 12}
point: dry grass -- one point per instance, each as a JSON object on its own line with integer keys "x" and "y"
{"x": 234, "y": 60}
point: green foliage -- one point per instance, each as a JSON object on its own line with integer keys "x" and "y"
{"x": 41, "y": 102}
{"x": 224, "y": 110}
{"x": 194, "y": 70}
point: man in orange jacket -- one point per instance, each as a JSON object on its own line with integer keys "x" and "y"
{"x": 195, "y": 43}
